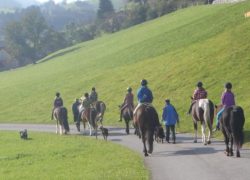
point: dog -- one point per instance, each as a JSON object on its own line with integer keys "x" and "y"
{"x": 24, "y": 134}
{"x": 159, "y": 134}
{"x": 105, "y": 132}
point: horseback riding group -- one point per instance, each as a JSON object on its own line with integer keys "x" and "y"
{"x": 229, "y": 117}
{"x": 86, "y": 109}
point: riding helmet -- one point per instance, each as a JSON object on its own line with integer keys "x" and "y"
{"x": 93, "y": 88}
{"x": 57, "y": 94}
{"x": 199, "y": 84}
{"x": 86, "y": 94}
{"x": 228, "y": 85}
{"x": 144, "y": 82}
{"x": 129, "y": 89}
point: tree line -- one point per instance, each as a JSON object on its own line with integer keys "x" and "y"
{"x": 33, "y": 35}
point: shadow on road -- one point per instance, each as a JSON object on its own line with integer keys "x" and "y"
{"x": 188, "y": 151}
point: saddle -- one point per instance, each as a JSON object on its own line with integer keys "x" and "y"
{"x": 140, "y": 104}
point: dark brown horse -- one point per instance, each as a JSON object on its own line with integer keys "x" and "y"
{"x": 127, "y": 115}
{"x": 145, "y": 121}
{"x": 203, "y": 110}
{"x": 232, "y": 122}
{"x": 61, "y": 116}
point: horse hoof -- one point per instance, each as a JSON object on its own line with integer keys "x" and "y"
{"x": 145, "y": 154}
{"x": 209, "y": 142}
{"x": 195, "y": 141}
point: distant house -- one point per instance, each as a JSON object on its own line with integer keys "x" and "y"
{"x": 226, "y": 1}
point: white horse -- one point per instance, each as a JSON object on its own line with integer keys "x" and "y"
{"x": 203, "y": 110}
{"x": 61, "y": 116}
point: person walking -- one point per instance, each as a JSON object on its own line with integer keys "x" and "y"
{"x": 170, "y": 118}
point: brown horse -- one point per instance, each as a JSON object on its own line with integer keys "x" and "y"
{"x": 203, "y": 110}
{"x": 89, "y": 116}
{"x": 61, "y": 116}
{"x": 145, "y": 121}
{"x": 100, "y": 108}
{"x": 232, "y": 122}
{"x": 127, "y": 115}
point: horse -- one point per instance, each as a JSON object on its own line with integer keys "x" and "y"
{"x": 203, "y": 110}
{"x": 145, "y": 120}
{"x": 100, "y": 108}
{"x": 127, "y": 115}
{"x": 89, "y": 116}
{"x": 232, "y": 122}
{"x": 61, "y": 116}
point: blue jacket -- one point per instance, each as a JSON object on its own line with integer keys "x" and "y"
{"x": 169, "y": 115}
{"x": 144, "y": 95}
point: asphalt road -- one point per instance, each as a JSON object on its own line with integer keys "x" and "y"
{"x": 184, "y": 160}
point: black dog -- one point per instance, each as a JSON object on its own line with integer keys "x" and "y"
{"x": 159, "y": 134}
{"x": 105, "y": 132}
{"x": 24, "y": 134}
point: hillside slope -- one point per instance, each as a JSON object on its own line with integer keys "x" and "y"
{"x": 207, "y": 43}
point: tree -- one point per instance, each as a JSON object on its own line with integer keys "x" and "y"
{"x": 105, "y": 10}
{"x": 34, "y": 26}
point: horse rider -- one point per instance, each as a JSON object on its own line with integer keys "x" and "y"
{"x": 170, "y": 118}
{"x": 227, "y": 100}
{"x": 144, "y": 94}
{"x": 127, "y": 102}
{"x": 93, "y": 96}
{"x": 58, "y": 102}
{"x": 75, "y": 110}
{"x": 199, "y": 93}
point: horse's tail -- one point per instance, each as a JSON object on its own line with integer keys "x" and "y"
{"x": 64, "y": 117}
{"x": 211, "y": 107}
{"x": 237, "y": 122}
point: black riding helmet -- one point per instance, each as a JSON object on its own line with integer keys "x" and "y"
{"x": 93, "y": 88}
{"x": 129, "y": 89}
{"x": 228, "y": 85}
{"x": 199, "y": 84}
{"x": 144, "y": 82}
{"x": 57, "y": 94}
{"x": 86, "y": 94}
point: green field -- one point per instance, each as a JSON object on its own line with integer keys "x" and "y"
{"x": 49, "y": 156}
{"x": 207, "y": 43}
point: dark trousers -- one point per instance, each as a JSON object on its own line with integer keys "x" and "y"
{"x": 168, "y": 128}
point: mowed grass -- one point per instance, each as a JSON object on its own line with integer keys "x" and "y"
{"x": 201, "y": 43}
{"x": 49, "y": 156}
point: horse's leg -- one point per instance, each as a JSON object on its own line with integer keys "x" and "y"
{"x": 127, "y": 126}
{"x": 195, "y": 132}
{"x": 209, "y": 132}
{"x": 237, "y": 151}
{"x": 231, "y": 146}
{"x": 57, "y": 127}
{"x": 61, "y": 130}
{"x": 203, "y": 131}
{"x": 150, "y": 140}
{"x": 226, "y": 142}
{"x": 144, "y": 144}
{"x": 90, "y": 129}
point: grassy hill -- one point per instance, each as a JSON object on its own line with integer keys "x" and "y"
{"x": 207, "y": 43}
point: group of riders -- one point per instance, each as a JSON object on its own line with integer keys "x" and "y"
{"x": 87, "y": 101}
{"x": 227, "y": 99}
{"x": 145, "y": 96}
